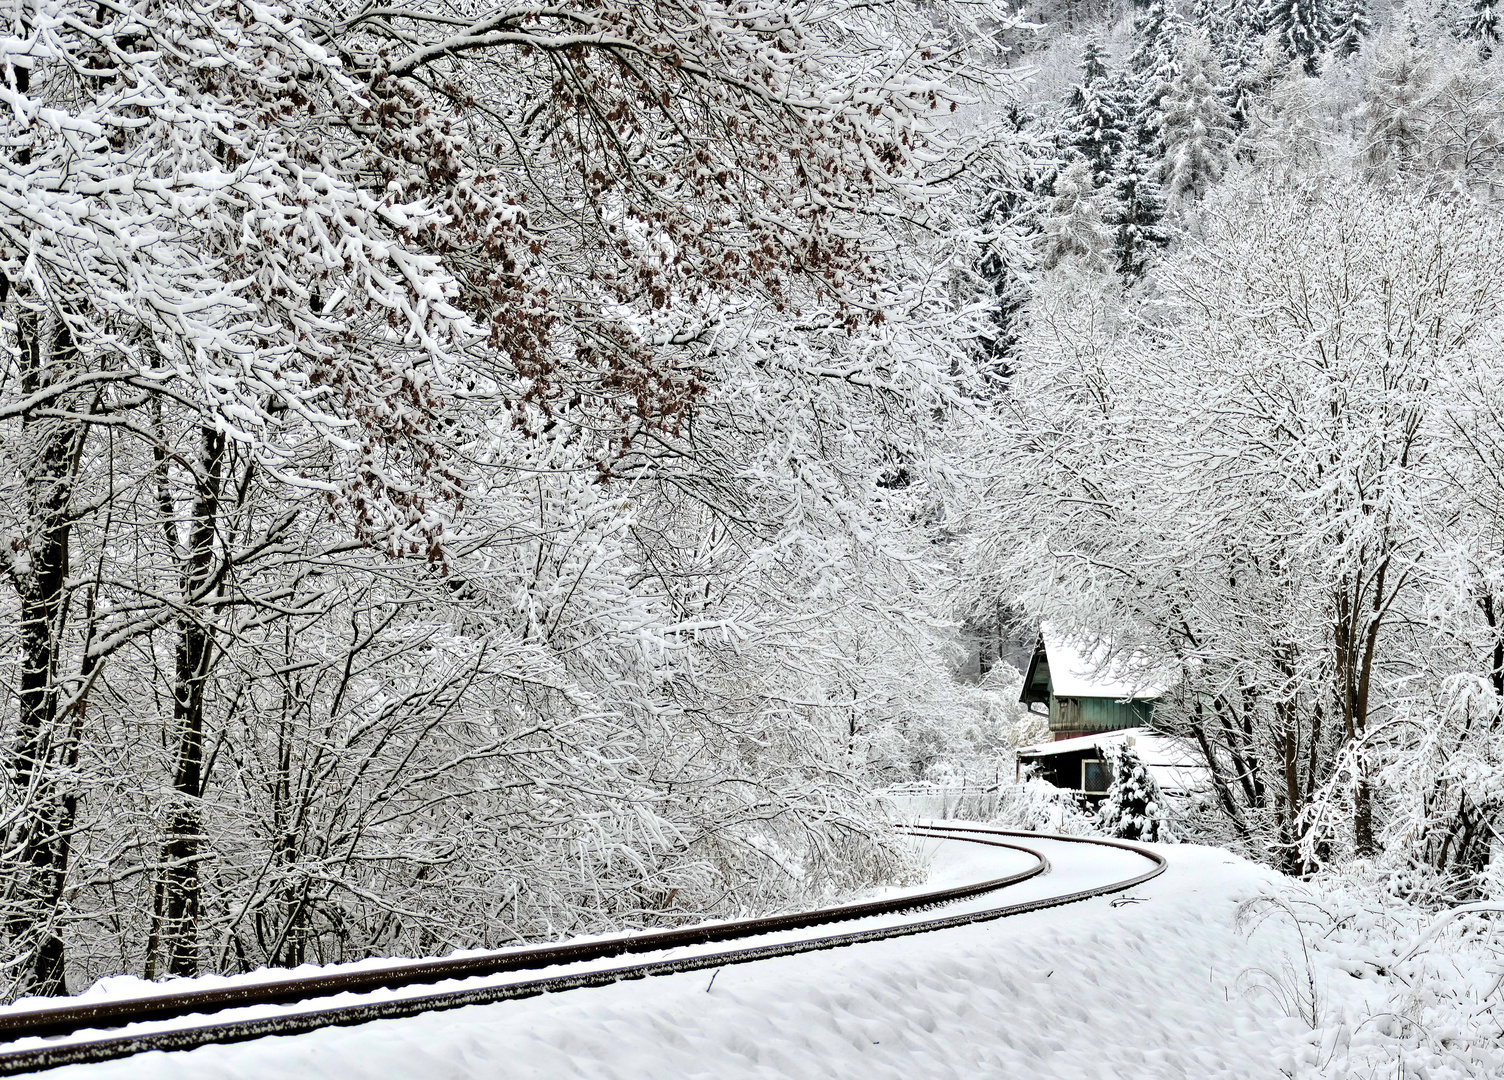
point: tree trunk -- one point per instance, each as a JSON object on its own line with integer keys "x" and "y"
{"x": 194, "y": 656}
{"x": 49, "y": 450}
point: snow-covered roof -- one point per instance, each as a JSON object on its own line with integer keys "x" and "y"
{"x": 1174, "y": 765}
{"x": 1086, "y": 669}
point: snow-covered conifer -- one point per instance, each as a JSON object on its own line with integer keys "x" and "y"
{"x": 1351, "y": 23}
{"x": 1137, "y": 223}
{"x": 1484, "y": 26}
{"x": 1073, "y": 225}
{"x": 1152, "y": 66}
{"x": 1134, "y": 808}
{"x": 1302, "y": 28}
{"x": 1197, "y": 127}
{"x": 1097, "y": 122}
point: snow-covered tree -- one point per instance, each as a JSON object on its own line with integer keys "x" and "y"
{"x": 1134, "y": 807}
{"x": 1197, "y": 128}
{"x": 1484, "y": 26}
{"x": 1154, "y": 64}
{"x": 417, "y": 424}
{"x": 1138, "y": 233}
{"x": 1303, "y": 29}
{"x": 1097, "y": 123}
{"x": 1351, "y": 24}
{"x": 1074, "y": 223}
{"x": 1393, "y": 112}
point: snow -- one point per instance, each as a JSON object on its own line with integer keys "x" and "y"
{"x": 1154, "y": 987}
{"x": 1092, "y": 669}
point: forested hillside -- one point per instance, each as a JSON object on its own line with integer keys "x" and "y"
{"x": 1256, "y": 413}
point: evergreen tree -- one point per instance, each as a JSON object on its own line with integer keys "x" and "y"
{"x": 1484, "y": 26}
{"x": 1009, "y": 214}
{"x": 1139, "y": 211}
{"x": 1350, "y": 25}
{"x": 1153, "y": 66}
{"x": 1005, "y": 281}
{"x": 1210, "y": 15}
{"x": 1302, "y": 27}
{"x": 1134, "y": 808}
{"x": 1156, "y": 28}
{"x": 1394, "y": 114}
{"x": 1242, "y": 47}
{"x": 1197, "y": 128}
{"x": 1093, "y": 63}
{"x": 1244, "y": 20}
{"x": 1074, "y": 224}
{"x": 1097, "y": 121}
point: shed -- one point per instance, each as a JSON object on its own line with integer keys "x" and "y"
{"x": 1088, "y": 688}
{"x": 1079, "y": 764}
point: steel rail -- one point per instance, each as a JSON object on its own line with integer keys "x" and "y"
{"x": 71, "y": 1019}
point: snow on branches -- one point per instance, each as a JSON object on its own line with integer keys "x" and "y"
{"x": 516, "y": 424}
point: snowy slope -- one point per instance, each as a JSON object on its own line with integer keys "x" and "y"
{"x": 1141, "y": 990}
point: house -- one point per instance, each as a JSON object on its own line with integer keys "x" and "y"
{"x": 1096, "y": 697}
{"x": 1080, "y": 763}
{"x": 1087, "y": 689}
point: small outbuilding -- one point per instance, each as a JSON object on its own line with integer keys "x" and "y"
{"x": 1087, "y": 689}
{"x": 1079, "y": 764}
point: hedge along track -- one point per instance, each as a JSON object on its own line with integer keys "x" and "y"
{"x": 70, "y": 1019}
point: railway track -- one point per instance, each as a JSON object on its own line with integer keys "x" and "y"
{"x": 63, "y": 1026}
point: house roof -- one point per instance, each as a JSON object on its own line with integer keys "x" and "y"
{"x": 1079, "y": 668}
{"x": 1174, "y": 766}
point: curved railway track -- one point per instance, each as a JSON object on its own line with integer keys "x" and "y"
{"x": 63, "y": 1022}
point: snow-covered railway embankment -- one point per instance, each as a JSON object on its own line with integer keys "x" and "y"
{"x": 49, "y": 1037}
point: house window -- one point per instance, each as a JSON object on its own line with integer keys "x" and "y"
{"x": 1094, "y": 775}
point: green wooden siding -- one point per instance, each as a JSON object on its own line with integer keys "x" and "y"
{"x": 1098, "y": 714}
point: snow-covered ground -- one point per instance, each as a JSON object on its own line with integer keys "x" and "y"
{"x": 1088, "y": 990}
{"x": 1165, "y": 981}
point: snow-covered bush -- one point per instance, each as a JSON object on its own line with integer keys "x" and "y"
{"x": 1385, "y": 987}
{"x": 1040, "y": 805}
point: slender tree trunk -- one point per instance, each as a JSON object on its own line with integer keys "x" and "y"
{"x": 194, "y": 656}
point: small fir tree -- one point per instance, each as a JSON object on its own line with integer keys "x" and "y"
{"x": 1350, "y": 25}
{"x": 1246, "y": 55}
{"x": 1209, "y": 15}
{"x": 1093, "y": 63}
{"x": 1134, "y": 808}
{"x": 1097, "y": 121}
{"x": 1244, "y": 20}
{"x": 1156, "y": 28}
{"x": 1394, "y": 114}
{"x": 1138, "y": 232}
{"x": 1153, "y": 67}
{"x": 1303, "y": 29}
{"x": 1006, "y": 281}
